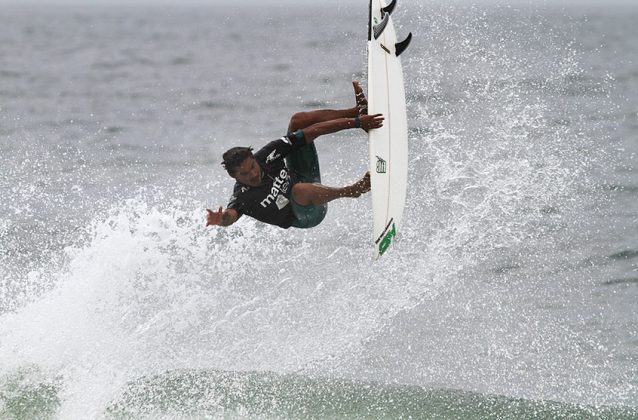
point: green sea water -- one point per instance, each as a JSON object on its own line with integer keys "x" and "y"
{"x": 205, "y": 394}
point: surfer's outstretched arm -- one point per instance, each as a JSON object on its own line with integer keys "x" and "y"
{"x": 366, "y": 122}
{"x": 221, "y": 217}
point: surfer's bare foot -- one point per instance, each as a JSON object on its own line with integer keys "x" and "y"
{"x": 360, "y": 97}
{"x": 362, "y": 186}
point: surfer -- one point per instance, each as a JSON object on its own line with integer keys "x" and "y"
{"x": 269, "y": 190}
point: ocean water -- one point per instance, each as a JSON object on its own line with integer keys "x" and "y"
{"x": 511, "y": 291}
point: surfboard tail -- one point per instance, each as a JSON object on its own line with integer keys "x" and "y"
{"x": 399, "y": 47}
{"x": 390, "y": 7}
{"x": 379, "y": 27}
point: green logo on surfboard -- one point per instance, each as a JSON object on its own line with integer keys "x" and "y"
{"x": 381, "y": 165}
{"x": 387, "y": 240}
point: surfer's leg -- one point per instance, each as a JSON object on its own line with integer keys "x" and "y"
{"x": 306, "y": 194}
{"x": 302, "y": 120}
{"x": 360, "y": 97}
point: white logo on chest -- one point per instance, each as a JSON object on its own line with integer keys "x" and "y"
{"x": 272, "y": 156}
{"x": 280, "y": 184}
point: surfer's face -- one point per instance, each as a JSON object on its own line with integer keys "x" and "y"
{"x": 249, "y": 172}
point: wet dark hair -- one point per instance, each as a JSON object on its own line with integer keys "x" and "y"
{"x": 234, "y": 157}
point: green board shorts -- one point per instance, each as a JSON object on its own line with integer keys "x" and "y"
{"x": 305, "y": 164}
{"x": 308, "y": 216}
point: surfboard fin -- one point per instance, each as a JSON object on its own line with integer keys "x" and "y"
{"x": 378, "y": 28}
{"x": 399, "y": 47}
{"x": 390, "y": 7}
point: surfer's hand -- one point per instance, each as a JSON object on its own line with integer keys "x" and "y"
{"x": 222, "y": 218}
{"x": 214, "y": 217}
{"x": 369, "y": 122}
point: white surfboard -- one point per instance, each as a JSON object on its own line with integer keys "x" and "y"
{"x": 388, "y": 144}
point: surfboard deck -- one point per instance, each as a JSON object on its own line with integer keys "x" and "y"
{"x": 388, "y": 144}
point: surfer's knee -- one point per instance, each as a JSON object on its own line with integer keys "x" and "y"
{"x": 301, "y": 189}
{"x": 298, "y": 121}
{"x": 302, "y": 193}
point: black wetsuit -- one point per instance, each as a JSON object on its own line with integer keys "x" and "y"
{"x": 270, "y": 202}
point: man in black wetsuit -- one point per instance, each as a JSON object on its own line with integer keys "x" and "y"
{"x": 268, "y": 191}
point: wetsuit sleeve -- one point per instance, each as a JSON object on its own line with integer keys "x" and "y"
{"x": 235, "y": 203}
{"x": 297, "y": 138}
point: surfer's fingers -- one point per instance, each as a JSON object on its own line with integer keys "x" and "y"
{"x": 373, "y": 117}
{"x": 213, "y": 217}
{"x": 211, "y": 213}
{"x": 376, "y": 119}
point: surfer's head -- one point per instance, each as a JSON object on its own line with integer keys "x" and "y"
{"x": 240, "y": 163}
